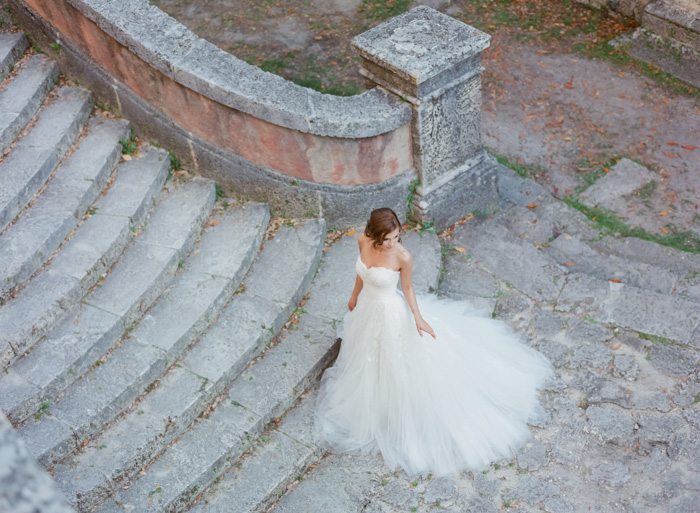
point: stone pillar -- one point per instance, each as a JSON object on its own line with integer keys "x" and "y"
{"x": 433, "y": 62}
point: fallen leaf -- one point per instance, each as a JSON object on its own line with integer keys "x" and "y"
{"x": 689, "y": 148}
{"x": 532, "y": 205}
{"x": 584, "y": 82}
{"x": 570, "y": 264}
{"x": 126, "y": 157}
{"x": 664, "y": 230}
{"x": 351, "y": 232}
{"x": 614, "y": 280}
{"x": 461, "y": 250}
{"x": 617, "y": 347}
{"x": 672, "y": 144}
{"x": 664, "y": 213}
{"x": 570, "y": 84}
{"x": 215, "y": 222}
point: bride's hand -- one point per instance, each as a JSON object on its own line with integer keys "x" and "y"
{"x": 421, "y": 326}
{"x": 352, "y": 303}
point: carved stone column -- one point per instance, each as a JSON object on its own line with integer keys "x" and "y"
{"x": 433, "y": 62}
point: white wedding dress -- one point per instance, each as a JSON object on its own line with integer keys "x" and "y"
{"x": 457, "y": 402}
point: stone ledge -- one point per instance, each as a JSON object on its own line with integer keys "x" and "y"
{"x": 172, "y": 49}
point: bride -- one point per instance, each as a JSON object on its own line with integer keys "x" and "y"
{"x": 442, "y": 401}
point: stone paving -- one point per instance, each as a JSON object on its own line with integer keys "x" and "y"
{"x": 618, "y": 426}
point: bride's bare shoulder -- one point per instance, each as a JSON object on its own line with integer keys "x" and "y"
{"x": 404, "y": 255}
{"x": 361, "y": 239}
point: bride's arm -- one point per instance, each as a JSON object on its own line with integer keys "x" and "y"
{"x": 355, "y": 292}
{"x": 410, "y": 295}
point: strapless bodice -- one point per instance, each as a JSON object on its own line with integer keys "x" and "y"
{"x": 377, "y": 281}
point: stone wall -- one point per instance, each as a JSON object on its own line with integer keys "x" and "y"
{"x": 305, "y": 153}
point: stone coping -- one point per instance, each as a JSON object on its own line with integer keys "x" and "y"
{"x": 171, "y": 48}
{"x": 401, "y": 44}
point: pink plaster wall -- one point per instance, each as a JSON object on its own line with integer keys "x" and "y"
{"x": 311, "y": 157}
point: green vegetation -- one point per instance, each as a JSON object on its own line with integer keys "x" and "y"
{"x": 378, "y": 10}
{"x": 621, "y": 58}
{"x": 655, "y": 339}
{"x": 610, "y": 223}
{"x": 42, "y": 409}
{"x": 412, "y": 189}
{"x": 129, "y": 146}
{"x": 524, "y": 170}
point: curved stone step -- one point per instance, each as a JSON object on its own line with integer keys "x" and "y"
{"x": 22, "y": 96}
{"x": 261, "y": 393}
{"x": 12, "y": 46}
{"x": 277, "y": 459}
{"x": 242, "y": 330}
{"x": 34, "y": 158}
{"x": 136, "y": 280}
{"x": 95, "y": 246}
{"x": 38, "y": 232}
{"x": 193, "y": 299}
{"x": 290, "y": 368}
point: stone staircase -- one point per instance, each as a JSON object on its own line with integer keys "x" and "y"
{"x": 160, "y": 352}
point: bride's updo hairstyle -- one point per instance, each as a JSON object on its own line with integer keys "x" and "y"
{"x": 381, "y": 221}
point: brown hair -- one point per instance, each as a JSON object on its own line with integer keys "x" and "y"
{"x": 381, "y": 221}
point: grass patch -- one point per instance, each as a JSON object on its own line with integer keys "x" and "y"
{"x": 621, "y": 58}
{"x": 647, "y": 190}
{"x": 378, "y": 10}
{"x": 654, "y": 339}
{"x": 609, "y": 223}
{"x": 524, "y": 170}
{"x": 129, "y": 146}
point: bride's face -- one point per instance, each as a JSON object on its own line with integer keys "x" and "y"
{"x": 391, "y": 239}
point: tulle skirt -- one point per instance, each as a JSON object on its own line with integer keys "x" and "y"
{"x": 457, "y": 402}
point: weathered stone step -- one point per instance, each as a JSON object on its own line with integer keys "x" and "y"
{"x": 242, "y": 330}
{"x": 351, "y": 480}
{"x": 581, "y": 258}
{"x": 260, "y": 477}
{"x": 12, "y": 46}
{"x": 193, "y": 299}
{"x": 530, "y": 212}
{"x": 293, "y": 366}
{"x": 31, "y": 162}
{"x": 684, "y": 265}
{"x": 262, "y": 392}
{"x": 513, "y": 259}
{"x": 94, "y": 247}
{"x": 137, "y": 279}
{"x": 78, "y": 181}
{"x": 22, "y": 97}
{"x": 626, "y": 306}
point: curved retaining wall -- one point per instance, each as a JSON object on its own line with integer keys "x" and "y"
{"x": 305, "y": 153}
